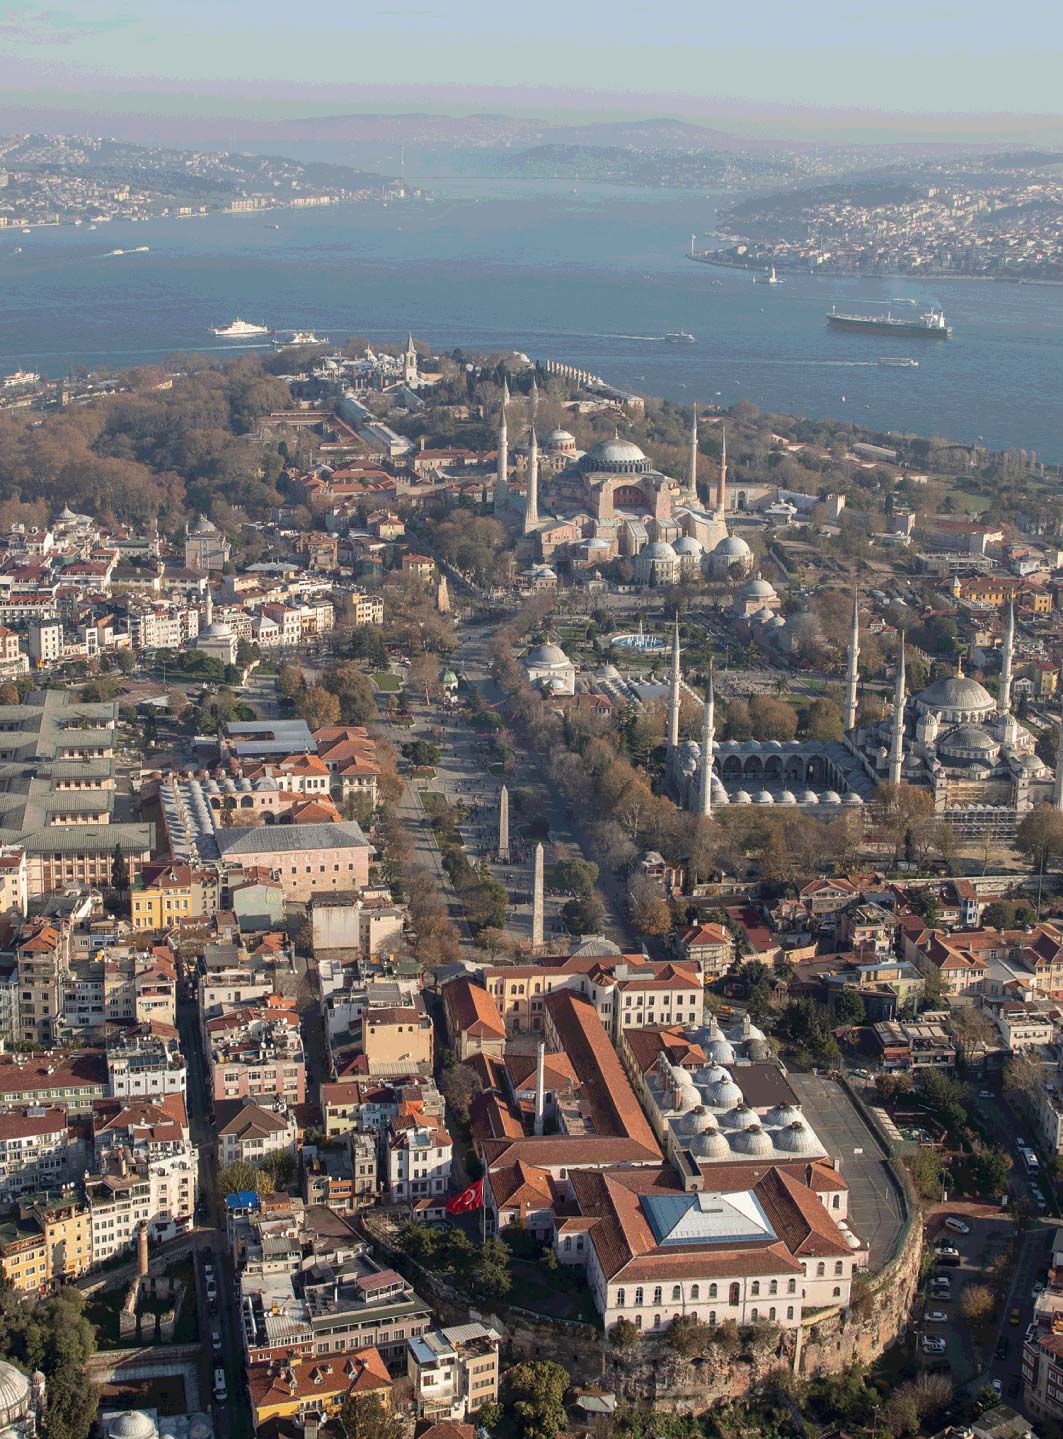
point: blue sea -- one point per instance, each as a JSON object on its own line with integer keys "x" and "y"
{"x": 592, "y": 275}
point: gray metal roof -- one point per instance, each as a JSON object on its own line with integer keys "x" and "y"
{"x": 266, "y": 839}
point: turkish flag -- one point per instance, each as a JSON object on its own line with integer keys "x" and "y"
{"x": 471, "y": 1198}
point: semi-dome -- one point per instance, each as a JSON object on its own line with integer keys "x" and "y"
{"x": 753, "y": 1140}
{"x": 957, "y": 696}
{"x": 968, "y": 740}
{"x": 797, "y": 1138}
{"x": 15, "y": 1400}
{"x": 544, "y": 656}
{"x": 615, "y": 456}
{"x": 710, "y": 1144}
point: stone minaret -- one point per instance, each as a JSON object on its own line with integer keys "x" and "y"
{"x": 721, "y": 483}
{"x": 208, "y": 613}
{"x": 708, "y": 735}
{"x": 540, "y": 1088}
{"x": 531, "y": 506}
{"x": 1057, "y": 793}
{"x": 692, "y": 472}
{"x": 538, "y": 926}
{"x": 897, "y": 741}
{"x": 503, "y": 826}
{"x": 443, "y": 596}
{"x": 1004, "y": 704}
{"x": 852, "y": 678}
{"x": 675, "y": 696}
{"x": 502, "y": 473}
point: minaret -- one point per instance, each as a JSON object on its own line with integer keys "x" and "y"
{"x": 502, "y": 473}
{"x": 897, "y": 742}
{"x": 208, "y": 614}
{"x": 531, "y": 505}
{"x": 721, "y": 483}
{"x": 708, "y": 735}
{"x": 1005, "y": 667}
{"x": 675, "y": 697}
{"x": 692, "y": 473}
{"x": 852, "y": 678}
{"x": 534, "y": 397}
{"x": 1057, "y": 793}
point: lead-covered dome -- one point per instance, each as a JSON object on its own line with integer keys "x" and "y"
{"x": 544, "y": 656}
{"x": 615, "y": 456}
{"x": 956, "y": 698}
{"x": 15, "y": 1401}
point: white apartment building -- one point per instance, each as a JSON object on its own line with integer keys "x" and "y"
{"x": 44, "y": 641}
{"x": 161, "y": 1191}
{"x": 253, "y": 1131}
{"x": 145, "y": 1067}
{"x": 453, "y": 1371}
{"x": 417, "y": 1159}
{"x": 38, "y": 1150}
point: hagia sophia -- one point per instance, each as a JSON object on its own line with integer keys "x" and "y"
{"x": 955, "y": 740}
{"x": 591, "y": 506}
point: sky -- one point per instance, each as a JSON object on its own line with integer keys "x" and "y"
{"x": 695, "y": 58}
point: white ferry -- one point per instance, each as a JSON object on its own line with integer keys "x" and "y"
{"x": 299, "y": 337}
{"x": 240, "y": 330}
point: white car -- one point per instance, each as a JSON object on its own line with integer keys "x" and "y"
{"x": 933, "y": 1346}
{"x": 957, "y": 1225}
{"x": 947, "y": 1251}
{"x": 996, "y": 1386}
{"x": 936, "y": 1316}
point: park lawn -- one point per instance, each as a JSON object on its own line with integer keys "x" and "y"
{"x": 386, "y": 682}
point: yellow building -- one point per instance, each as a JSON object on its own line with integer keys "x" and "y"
{"x": 293, "y": 1388}
{"x": 24, "y": 1256}
{"x": 163, "y": 896}
{"x": 67, "y": 1228}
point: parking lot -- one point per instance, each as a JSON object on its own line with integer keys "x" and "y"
{"x": 875, "y": 1204}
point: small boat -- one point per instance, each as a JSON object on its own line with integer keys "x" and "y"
{"x": 903, "y": 300}
{"x": 771, "y": 278}
{"x": 900, "y": 362}
{"x": 680, "y": 337}
{"x": 140, "y": 250}
{"x": 116, "y": 252}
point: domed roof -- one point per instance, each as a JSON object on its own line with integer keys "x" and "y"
{"x": 741, "y": 796}
{"x": 764, "y": 615}
{"x": 657, "y": 550}
{"x": 787, "y": 797}
{"x": 545, "y": 656}
{"x": 741, "y": 1117}
{"x": 722, "y": 1050}
{"x": 711, "y": 1073}
{"x": 969, "y": 736}
{"x": 784, "y": 1114}
{"x": 596, "y": 945}
{"x": 614, "y": 454}
{"x": 957, "y": 692}
{"x": 202, "y": 526}
{"x": 853, "y": 801}
{"x": 687, "y": 545}
{"x": 758, "y": 1049}
{"x": 724, "y": 1094}
{"x": 696, "y": 1121}
{"x": 830, "y": 796}
{"x": 134, "y": 1424}
{"x": 758, "y": 589}
{"x": 754, "y": 1140}
{"x": 808, "y": 796}
{"x": 797, "y": 1138}
{"x": 763, "y": 796}
{"x": 560, "y": 437}
{"x": 733, "y": 547}
{"x": 710, "y": 1144}
{"x": 14, "y": 1391}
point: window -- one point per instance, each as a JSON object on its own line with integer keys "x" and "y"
{"x": 620, "y": 1299}
{"x": 677, "y": 1293}
{"x": 789, "y": 1311}
{"x": 839, "y": 1267}
{"x": 754, "y": 1315}
{"x": 791, "y": 1288}
{"x": 736, "y": 1294}
{"x": 754, "y": 1288}
{"x": 773, "y": 1287}
{"x": 821, "y": 1269}
{"x": 638, "y": 1297}
{"x": 713, "y": 1291}
{"x": 695, "y": 1291}
{"x": 638, "y": 1321}
{"x": 837, "y": 1292}
{"x": 657, "y": 1295}
{"x": 712, "y": 1317}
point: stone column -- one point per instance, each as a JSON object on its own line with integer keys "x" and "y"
{"x": 537, "y": 900}
{"x": 503, "y": 826}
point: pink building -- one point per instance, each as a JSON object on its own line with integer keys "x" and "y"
{"x": 257, "y": 1053}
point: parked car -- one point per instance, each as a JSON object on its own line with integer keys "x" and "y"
{"x": 935, "y": 1316}
{"x": 996, "y": 1385}
{"x": 947, "y": 1250}
{"x": 957, "y": 1225}
{"x": 215, "y": 1340}
{"x": 933, "y": 1346}
{"x": 220, "y": 1391}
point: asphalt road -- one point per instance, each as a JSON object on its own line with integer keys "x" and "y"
{"x": 875, "y": 1206}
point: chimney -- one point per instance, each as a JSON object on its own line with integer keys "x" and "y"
{"x": 540, "y": 1087}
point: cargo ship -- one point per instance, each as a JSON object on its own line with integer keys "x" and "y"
{"x": 930, "y": 326}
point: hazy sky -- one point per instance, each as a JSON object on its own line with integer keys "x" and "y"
{"x": 939, "y": 55}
